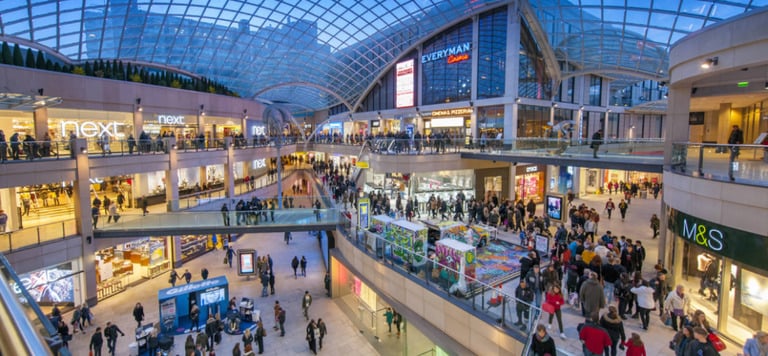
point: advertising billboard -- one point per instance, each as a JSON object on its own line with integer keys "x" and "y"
{"x": 555, "y": 208}
{"x": 246, "y": 262}
{"x": 404, "y": 84}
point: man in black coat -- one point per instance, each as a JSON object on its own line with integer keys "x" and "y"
{"x": 111, "y": 333}
{"x": 523, "y": 293}
{"x": 597, "y": 140}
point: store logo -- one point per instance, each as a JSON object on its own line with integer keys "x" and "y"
{"x": 170, "y": 119}
{"x": 90, "y": 129}
{"x": 531, "y": 169}
{"x": 258, "y": 130}
{"x": 260, "y": 163}
{"x": 192, "y": 286}
{"x": 454, "y": 54}
{"x": 699, "y": 233}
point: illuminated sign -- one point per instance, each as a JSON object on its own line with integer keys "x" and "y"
{"x": 457, "y": 50}
{"x": 258, "y": 130}
{"x": 404, "y": 84}
{"x": 531, "y": 169}
{"x": 90, "y": 129}
{"x": 448, "y": 122}
{"x": 260, "y": 163}
{"x": 450, "y": 112}
{"x": 456, "y": 58}
{"x": 703, "y": 235}
{"x": 170, "y": 119}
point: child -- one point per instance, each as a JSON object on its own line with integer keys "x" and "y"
{"x": 635, "y": 346}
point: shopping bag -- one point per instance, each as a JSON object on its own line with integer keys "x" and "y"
{"x": 225, "y": 260}
{"x": 716, "y": 342}
{"x": 548, "y": 308}
{"x": 665, "y": 319}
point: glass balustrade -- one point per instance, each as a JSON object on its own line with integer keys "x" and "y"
{"x": 744, "y": 164}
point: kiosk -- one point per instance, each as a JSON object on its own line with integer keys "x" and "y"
{"x": 460, "y": 260}
{"x": 211, "y": 296}
{"x": 407, "y": 236}
{"x": 380, "y": 225}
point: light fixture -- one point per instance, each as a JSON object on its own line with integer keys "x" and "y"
{"x": 173, "y": 146}
{"x": 517, "y": 100}
{"x": 581, "y": 107}
{"x": 202, "y": 110}
{"x": 709, "y": 62}
{"x": 554, "y": 105}
{"x": 471, "y": 104}
{"x": 609, "y": 110}
{"x": 40, "y": 91}
{"x": 694, "y": 90}
{"x": 83, "y": 150}
{"x": 138, "y": 101}
{"x": 766, "y": 85}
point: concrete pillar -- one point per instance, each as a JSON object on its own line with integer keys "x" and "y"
{"x": 724, "y": 123}
{"x": 511, "y": 80}
{"x": 41, "y": 123}
{"x": 229, "y": 169}
{"x": 138, "y": 122}
{"x": 511, "y": 181}
{"x": 172, "y": 176}
{"x": 84, "y": 220}
{"x": 203, "y": 175}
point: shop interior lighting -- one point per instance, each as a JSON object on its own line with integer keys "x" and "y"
{"x": 202, "y": 110}
{"x": 709, "y": 62}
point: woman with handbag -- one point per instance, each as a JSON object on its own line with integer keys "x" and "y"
{"x": 676, "y": 303}
{"x": 553, "y": 301}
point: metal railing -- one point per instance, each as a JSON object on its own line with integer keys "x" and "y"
{"x": 32, "y": 236}
{"x": 745, "y": 164}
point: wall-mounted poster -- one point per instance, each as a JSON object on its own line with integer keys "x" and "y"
{"x": 404, "y": 84}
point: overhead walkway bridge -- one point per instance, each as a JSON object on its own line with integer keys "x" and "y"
{"x": 213, "y": 222}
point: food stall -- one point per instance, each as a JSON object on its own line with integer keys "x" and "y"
{"x": 459, "y": 258}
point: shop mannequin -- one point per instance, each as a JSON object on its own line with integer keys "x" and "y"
{"x": 709, "y": 275}
{"x": 703, "y": 259}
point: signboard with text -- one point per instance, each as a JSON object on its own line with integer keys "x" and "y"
{"x": 404, "y": 84}
{"x": 363, "y": 213}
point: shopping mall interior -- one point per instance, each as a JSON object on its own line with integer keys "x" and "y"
{"x": 398, "y": 162}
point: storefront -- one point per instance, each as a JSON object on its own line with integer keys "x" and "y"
{"x": 220, "y": 127}
{"x": 191, "y": 246}
{"x": 60, "y": 285}
{"x": 490, "y": 121}
{"x": 644, "y": 179}
{"x": 184, "y": 127}
{"x": 356, "y": 128}
{"x": 21, "y": 122}
{"x": 724, "y": 268}
{"x": 128, "y": 263}
{"x": 530, "y": 182}
{"x": 332, "y": 129}
{"x": 455, "y": 123}
{"x": 90, "y": 125}
{"x": 385, "y": 126}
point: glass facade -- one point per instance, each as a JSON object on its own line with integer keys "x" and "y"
{"x": 491, "y": 64}
{"x": 446, "y": 72}
{"x": 534, "y": 81}
{"x": 595, "y": 90}
{"x": 533, "y": 121}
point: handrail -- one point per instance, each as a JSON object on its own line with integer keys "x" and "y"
{"x": 431, "y": 351}
{"x": 735, "y": 163}
{"x": 531, "y": 333}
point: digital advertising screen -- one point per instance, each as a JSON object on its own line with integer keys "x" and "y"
{"x": 246, "y": 262}
{"x": 555, "y": 209}
{"x": 404, "y": 84}
{"x": 49, "y": 286}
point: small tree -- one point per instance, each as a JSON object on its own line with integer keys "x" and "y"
{"x": 40, "y": 62}
{"x": 7, "y": 54}
{"x": 48, "y": 64}
{"x": 18, "y": 59}
{"x": 88, "y": 69}
{"x": 78, "y": 70}
{"x": 57, "y": 67}
{"x": 30, "y": 61}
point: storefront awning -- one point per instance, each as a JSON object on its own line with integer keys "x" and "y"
{"x": 26, "y": 102}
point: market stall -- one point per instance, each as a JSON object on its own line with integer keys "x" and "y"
{"x": 456, "y": 262}
{"x": 406, "y": 236}
{"x": 380, "y": 225}
{"x": 474, "y": 235}
{"x": 211, "y": 295}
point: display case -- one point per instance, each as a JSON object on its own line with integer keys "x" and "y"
{"x": 195, "y": 245}
{"x": 122, "y": 265}
{"x": 406, "y": 236}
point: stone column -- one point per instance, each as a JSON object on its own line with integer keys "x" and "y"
{"x": 229, "y": 169}
{"x": 41, "y": 123}
{"x": 138, "y": 123}
{"x": 724, "y": 123}
{"x": 84, "y": 220}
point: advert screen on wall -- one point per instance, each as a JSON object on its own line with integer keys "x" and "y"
{"x": 246, "y": 265}
{"x": 555, "y": 207}
{"x": 404, "y": 84}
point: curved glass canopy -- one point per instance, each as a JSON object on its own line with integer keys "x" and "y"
{"x": 318, "y": 53}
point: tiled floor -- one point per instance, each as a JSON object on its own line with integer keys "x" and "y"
{"x": 343, "y": 338}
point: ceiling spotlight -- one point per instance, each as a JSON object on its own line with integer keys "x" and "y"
{"x": 40, "y": 91}
{"x": 709, "y": 62}
{"x": 554, "y": 105}
{"x": 581, "y": 107}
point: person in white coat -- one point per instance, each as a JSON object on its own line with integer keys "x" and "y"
{"x": 676, "y": 304}
{"x": 645, "y": 302}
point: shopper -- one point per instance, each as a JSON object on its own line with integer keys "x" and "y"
{"x": 271, "y": 282}
{"x": 397, "y": 319}
{"x": 543, "y": 344}
{"x": 236, "y": 350}
{"x": 97, "y": 340}
{"x": 612, "y": 323}
{"x": 64, "y": 332}
{"x": 295, "y": 265}
{"x": 655, "y": 224}
{"x": 306, "y": 302}
{"x": 609, "y": 206}
{"x": 111, "y": 333}
{"x": 635, "y": 346}
{"x": 173, "y": 277}
{"x": 623, "y": 209}
{"x": 230, "y": 255}
{"x": 591, "y": 295}
{"x": 645, "y": 302}
{"x": 264, "y": 284}
{"x": 95, "y": 215}
{"x": 260, "y": 334}
{"x": 524, "y": 295}
{"x": 323, "y": 331}
{"x": 556, "y": 300}
{"x": 225, "y": 214}
{"x": 187, "y": 276}
{"x": 281, "y": 321}
{"x": 682, "y": 339}
{"x": 204, "y": 273}
{"x": 327, "y": 283}
{"x": 194, "y": 316}
{"x": 303, "y": 264}
{"x": 311, "y": 337}
{"x": 597, "y": 140}
{"x": 3, "y": 219}
{"x": 389, "y": 315}
{"x": 595, "y": 340}
{"x": 138, "y": 314}
{"x": 676, "y": 304}
{"x": 756, "y": 346}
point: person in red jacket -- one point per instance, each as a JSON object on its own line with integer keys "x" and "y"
{"x": 635, "y": 346}
{"x": 555, "y": 298}
{"x": 595, "y": 340}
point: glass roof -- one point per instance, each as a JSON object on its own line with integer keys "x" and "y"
{"x": 318, "y": 53}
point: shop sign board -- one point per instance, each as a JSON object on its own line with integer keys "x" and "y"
{"x": 260, "y": 163}
{"x": 205, "y": 284}
{"x": 362, "y": 164}
{"x": 89, "y": 129}
{"x": 449, "y": 112}
{"x": 741, "y": 246}
{"x": 170, "y": 120}
{"x": 454, "y": 54}
{"x": 404, "y": 84}
{"x": 364, "y": 212}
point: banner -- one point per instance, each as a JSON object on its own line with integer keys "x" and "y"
{"x": 363, "y": 213}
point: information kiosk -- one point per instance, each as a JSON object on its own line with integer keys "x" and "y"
{"x": 210, "y": 295}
